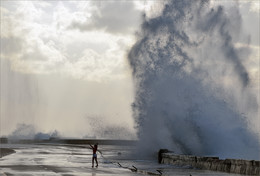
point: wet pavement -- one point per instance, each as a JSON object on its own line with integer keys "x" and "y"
{"x": 62, "y": 160}
{"x": 55, "y": 160}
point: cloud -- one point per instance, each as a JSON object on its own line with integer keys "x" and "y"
{"x": 114, "y": 17}
{"x": 100, "y": 67}
{"x": 51, "y": 74}
{"x": 43, "y": 45}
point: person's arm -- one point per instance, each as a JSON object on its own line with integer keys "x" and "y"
{"x": 91, "y": 146}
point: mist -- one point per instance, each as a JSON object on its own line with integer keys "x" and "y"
{"x": 192, "y": 89}
{"x": 32, "y": 104}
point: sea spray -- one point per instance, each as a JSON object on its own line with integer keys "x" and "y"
{"x": 29, "y": 132}
{"x": 192, "y": 92}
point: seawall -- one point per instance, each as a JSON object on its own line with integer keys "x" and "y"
{"x": 238, "y": 166}
{"x": 6, "y": 151}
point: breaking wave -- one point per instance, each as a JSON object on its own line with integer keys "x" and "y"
{"x": 192, "y": 88}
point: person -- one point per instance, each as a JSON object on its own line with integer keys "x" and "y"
{"x": 94, "y": 157}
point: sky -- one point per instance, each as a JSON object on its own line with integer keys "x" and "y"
{"x": 64, "y": 64}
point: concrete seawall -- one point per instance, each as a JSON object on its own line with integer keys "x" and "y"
{"x": 238, "y": 166}
{"x": 6, "y": 151}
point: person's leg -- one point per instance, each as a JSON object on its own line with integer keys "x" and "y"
{"x": 96, "y": 161}
{"x": 92, "y": 161}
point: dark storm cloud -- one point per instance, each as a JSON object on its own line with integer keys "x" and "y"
{"x": 114, "y": 17}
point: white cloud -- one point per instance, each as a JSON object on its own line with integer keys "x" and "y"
{"x": 113, "y": 17}
{"x": 39, "y": 42}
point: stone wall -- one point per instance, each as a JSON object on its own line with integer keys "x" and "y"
{"x": 6, "y": 151}
{"x": 237, "y": 166}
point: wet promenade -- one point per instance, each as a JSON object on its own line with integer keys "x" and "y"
{"x": 62, "y": 160}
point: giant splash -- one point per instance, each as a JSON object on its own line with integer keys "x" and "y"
{"x": 192, "y": 92}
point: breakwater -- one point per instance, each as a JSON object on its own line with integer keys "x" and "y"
{"x": 238, "y": 166}
{"x": 6, "y": 151}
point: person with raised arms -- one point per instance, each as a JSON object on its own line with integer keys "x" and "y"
{"x": 94, "y": 157}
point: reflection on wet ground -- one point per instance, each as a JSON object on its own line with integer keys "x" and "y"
{"x": 62, "y": 160}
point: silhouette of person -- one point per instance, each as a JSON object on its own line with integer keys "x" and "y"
{"x": 94, "y": 157}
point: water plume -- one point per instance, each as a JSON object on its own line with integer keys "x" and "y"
{"x": 27, "y": 131}
{"x": 192, "y": 92}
